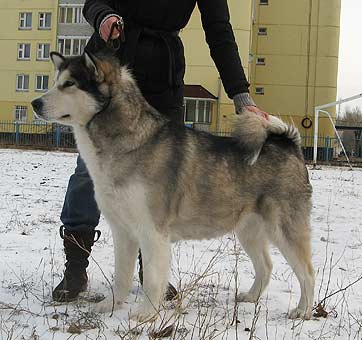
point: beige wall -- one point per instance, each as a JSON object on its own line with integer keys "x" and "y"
{"x": 200, "y": 68}
{"x": 301, "y": 54}
{"x": 10, "y": 36}
{"x": 301, "y": 59}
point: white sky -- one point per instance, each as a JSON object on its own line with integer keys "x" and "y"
{"x": 350, "y": 51}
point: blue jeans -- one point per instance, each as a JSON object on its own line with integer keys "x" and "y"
{"x": 80, "y": 211}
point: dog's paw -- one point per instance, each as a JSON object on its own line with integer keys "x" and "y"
{"x": 247, "y": 297}
{"x": 144, "y": 313}
{"x": 300, "y": 313}
{"x": 107, "y": 305}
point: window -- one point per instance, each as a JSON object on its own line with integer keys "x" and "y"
{"x": 22, "y": 82}
{"x": 260, "y": 61}
{"x": 25, "y": 20}
{"x": 44, "y": 21}
{"x": 41, "y": 83}
{"x": 78, "y": 15}
{"x": 198, "y": 111}
{"x": 262, "y": 31}
{"x": 264, "y": 2}
{"x": 21, "y": 113}
{"x": 23, "y": 51}
{"x": 190, "y": 107}
{"x": 73, "y": 46}
{"x": 71, "y": 15}
{"x": 259, "y": 90}
{"x": 43, "y": 51}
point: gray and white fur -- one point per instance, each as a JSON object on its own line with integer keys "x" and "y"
{"x": 157, "y": 182}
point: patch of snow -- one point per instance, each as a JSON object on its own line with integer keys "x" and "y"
{"x": 32, "y": 189}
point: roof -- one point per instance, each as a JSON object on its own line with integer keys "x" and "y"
{"x": 197, "y": 91}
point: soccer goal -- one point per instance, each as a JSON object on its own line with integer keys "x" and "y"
{"x": 320, "y": 109}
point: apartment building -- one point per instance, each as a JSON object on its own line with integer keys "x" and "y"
{"x": 289, "y": 50}
{"x": 27, "y": 35}
{"x": 73, "y": 30}
{"x": 294, "y": 60}
{"x": 29, "y": 30}
{"x": 202, "y": 79}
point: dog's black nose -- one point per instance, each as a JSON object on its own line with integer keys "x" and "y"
{"x": 37, "y": 105}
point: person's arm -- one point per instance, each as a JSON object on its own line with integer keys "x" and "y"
{"x": 224, "y": 51}
{"x": 100, "y": 14}
{"x": 243, "y": 101}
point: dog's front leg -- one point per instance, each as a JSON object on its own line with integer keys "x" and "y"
{"x": 155, "y": 250}
{"x": 125, "y": 254}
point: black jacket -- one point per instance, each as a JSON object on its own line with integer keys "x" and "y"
{"x": 170, "y": 16}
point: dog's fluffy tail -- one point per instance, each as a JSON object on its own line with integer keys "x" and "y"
{"x": 252, "y": 131}
{"x": 277, "y": 127}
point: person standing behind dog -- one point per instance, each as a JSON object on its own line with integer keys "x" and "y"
{"x": 148, "y": 41}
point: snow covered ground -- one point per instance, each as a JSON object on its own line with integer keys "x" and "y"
{"x": 32, "y": 188}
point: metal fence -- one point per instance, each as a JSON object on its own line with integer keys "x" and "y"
{"x": 329, "y": 149}
{"x": 55, "y": 136}
{"x": 37, "y": 135}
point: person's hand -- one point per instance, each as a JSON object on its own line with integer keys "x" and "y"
{"x": 244, "y": 102}
{"x": 105, "y": 29}
{"x": 256, "y": 110}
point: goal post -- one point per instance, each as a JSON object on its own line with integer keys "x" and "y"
{"x": 320, "y": 109}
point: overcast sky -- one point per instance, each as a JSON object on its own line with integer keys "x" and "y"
{"x": 350, "y": 51}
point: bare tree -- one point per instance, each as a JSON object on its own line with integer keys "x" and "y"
{"x": 352, "y": 138}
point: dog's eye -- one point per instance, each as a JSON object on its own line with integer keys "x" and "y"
{"x": 68, "y": 83}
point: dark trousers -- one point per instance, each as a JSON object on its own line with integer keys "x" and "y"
{"x": 80, "y": 211}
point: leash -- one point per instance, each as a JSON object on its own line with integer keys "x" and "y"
{"x": 115, "y": 44}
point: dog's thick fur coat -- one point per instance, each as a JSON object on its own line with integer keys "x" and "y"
{"x": 157, "y": 182}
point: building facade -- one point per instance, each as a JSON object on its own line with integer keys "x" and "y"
{"x": 294, "y": 60}
{"x": 289, "y": 50}
{"x": 201, "y": 71}
{"x": 73, "y": 30}
{"x": 27, "y": 35}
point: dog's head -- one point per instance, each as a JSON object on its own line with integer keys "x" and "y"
{"x": 80, "y": 89}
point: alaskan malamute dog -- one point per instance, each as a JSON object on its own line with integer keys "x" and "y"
{"x": 157, "y": 182}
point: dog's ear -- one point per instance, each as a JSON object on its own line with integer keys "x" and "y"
{"x": 57, "y": 59}
{"x": 91, "y": 64}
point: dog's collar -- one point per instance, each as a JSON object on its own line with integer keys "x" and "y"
{"x": 104, "y": 108}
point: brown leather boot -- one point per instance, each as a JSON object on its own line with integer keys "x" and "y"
{"x": 77, "y": 248}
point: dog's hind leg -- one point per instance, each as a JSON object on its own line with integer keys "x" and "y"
{"x": 294, "y": 244}
{"x": 125, "y": 255}
{"x": 253, "y": 239}
{"x": 155, "y": 250}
